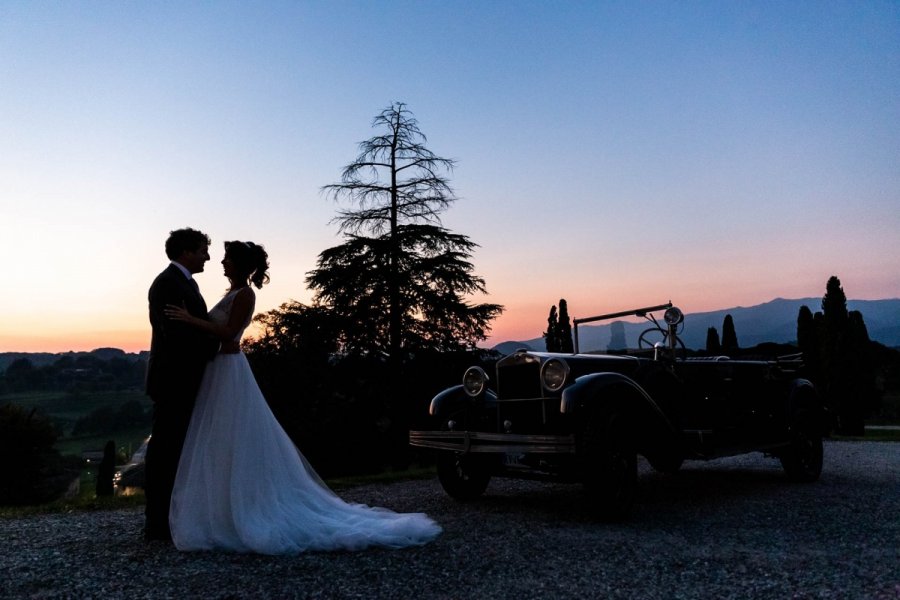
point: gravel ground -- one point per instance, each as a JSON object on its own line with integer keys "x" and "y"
{"x": 732, "y": 528}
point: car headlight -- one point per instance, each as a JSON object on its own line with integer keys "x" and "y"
{"x": 554, "y": 374}
{"x": 474, "y": 381}
{"x": 673, "y": 316}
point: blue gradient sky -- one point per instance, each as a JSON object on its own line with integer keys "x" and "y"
{"x": 615, "y": 154}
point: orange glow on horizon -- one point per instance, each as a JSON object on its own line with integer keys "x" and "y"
{"x": 130, "y": 341}
{"x": 521, "y": 321}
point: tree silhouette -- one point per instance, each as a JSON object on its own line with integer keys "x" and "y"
{"x": 836, "y": 383}
{"x": 862, "y": 397}
{"x": 558, "y": 337}
{"x": 565, "y": 328}
{"x": 400, "y": 281}
{"x": 810, "y": 344}
{"x": 729, "y": 336}
{"x": 38, "y": 473}
{"x": 834, "y": 307}
{"x": 839, "y": 358}
{"x": 551, "y": 341}
{"x": 713, "y": 347}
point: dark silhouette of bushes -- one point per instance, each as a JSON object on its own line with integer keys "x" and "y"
{"x": 344, "y": 412}
{"x": 31, "y": 470}
{"x": 841, "y": 360}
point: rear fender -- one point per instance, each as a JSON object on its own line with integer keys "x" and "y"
{"x": 803, "y": 396}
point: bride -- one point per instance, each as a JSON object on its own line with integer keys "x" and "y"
{"x": 242, "y": 485}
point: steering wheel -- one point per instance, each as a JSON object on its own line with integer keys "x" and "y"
{"x": 656, "y": 335}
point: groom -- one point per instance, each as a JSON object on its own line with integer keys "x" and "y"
{"x": 178, "y": 357}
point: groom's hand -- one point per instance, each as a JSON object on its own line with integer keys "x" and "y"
{"x": 230, "y": 347}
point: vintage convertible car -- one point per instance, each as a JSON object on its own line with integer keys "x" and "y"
{"x": 585, "y": 417}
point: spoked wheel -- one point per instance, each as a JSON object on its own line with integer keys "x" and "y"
{"x": 463, "y": 476}
{"x": 802, "y": 461}
{"x": 609, "y": 464}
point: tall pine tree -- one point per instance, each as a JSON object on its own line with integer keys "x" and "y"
{"x": 400, "y": 282}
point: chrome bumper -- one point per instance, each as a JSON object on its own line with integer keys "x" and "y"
{"x": 498, "y": 443}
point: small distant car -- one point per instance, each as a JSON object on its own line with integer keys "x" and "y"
{"x": 585, "y": 417}
{"x": 130, "y": 477}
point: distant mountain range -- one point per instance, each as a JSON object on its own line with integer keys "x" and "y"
{"x": 774, "y": 321}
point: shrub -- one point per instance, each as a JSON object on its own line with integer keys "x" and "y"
{"x": 31, "y": 470}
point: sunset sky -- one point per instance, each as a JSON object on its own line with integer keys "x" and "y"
{"x": 616, "y": 154}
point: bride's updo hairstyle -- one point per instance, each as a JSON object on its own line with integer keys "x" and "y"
{"x": 250, "y": 261}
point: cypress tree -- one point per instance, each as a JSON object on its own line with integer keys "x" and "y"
{"x": 729, "y": 336}
{"x": 834, "y": 306}
{"x": 835, "y": 384}
{"x": 564, "y": 328}
{"x": 809, "y": 344}
{"x": 550, "y": 336}
{"x": 806, "y": 333}
{"x": 862, "y": 397}
{"x": 713, "y": 347}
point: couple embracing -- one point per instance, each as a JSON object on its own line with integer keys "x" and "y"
{"x": 221, "y": 472}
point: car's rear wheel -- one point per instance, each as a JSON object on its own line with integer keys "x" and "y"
{"x": 609, "y": 464}
{"x": 802, "y": 460}
{"x": 463, "y": 476}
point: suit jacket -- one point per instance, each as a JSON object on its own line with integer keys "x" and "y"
{"x": 178, "y": 351}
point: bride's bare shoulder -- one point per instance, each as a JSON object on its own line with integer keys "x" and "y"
{"x": 245, "y": 295}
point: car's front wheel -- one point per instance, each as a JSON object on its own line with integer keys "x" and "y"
{"x": 463, "y": 476}
{"x": 802, "y": 460}
{"x": 609, "y": 464}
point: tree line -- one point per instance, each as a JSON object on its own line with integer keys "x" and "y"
{"x": 840, "y": 359}
{"x": 850, "y": 371}
{"x": 89, "y": 372}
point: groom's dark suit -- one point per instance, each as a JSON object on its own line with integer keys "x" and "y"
{"x": 178, "y": 357}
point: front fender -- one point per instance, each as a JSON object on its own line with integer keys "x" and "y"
{"x": 598, "y": 388}
{"x": 454, "y": 398}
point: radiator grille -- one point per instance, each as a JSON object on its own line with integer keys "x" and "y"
{"x": 516, "y": 382}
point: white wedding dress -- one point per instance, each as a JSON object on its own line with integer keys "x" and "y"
{"x": 242, "y": 485}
